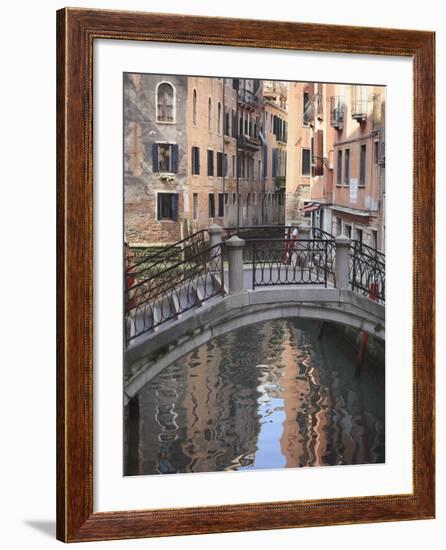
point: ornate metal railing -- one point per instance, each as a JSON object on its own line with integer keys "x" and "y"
{"x": 290, "y": 262}
{"x": 367, "y": 271}
{"x": 150, "y": 264}
{"x": 318, "y": 233}
{"x": 168, "y": 293}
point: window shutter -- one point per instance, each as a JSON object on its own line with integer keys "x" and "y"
{"x": 265, "y": 161}
{"x": 155, "y": 157}
{"x": 175, "y": 207}
{"x": 274, "y": 163}
{"x": 159, "y": 206}
{"x": 198, "y": 160}
{"x": 319, "y": 153}
{"x": 175, "y": 158}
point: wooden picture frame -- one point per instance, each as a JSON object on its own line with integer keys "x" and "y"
{"x": 76, "y": 31}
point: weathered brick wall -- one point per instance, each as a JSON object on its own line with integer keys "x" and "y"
{"x": 141, "y": 184}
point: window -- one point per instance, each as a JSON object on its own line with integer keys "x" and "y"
{"x": 221, "y": 207}
{"x": 219, "y": 118}
{"x": 233, "y": 166}
{"x": 305, "y": 105}
{"x": 167, "y": 206}
{"x": 306, "y": 162}
{"x": 165, "y": 157}
{"x": 226, "y": 123}
{"x": 358, "y": 234}
{"x": 209, "y": 114}
{"x": 362, "y": 159}
{"x": 259, "y": 173}
{"x": 234, "y": 124}
{"x": 195, "y": 206}
{"x": 211, "y": 205}
{"x": 338, "y": 227}
{"x": 339, "y": 168}
{"x": 225, "y": 165}
{"x": 210, "y": 162}
{"x": 165, "y": 102}
{"x": 194, "y": 108}
{"x": 374, "y": 241}
{"x": 347, "y": 167}
{"x": 195, "y": 161}
{"x": 274, "y": 163}
{"x": 348, "y": 230}
{"x": 219, "y": 165}
{"x": 376, "y": 151}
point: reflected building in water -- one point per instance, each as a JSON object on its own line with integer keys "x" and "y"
{"x": 272, "y": 395}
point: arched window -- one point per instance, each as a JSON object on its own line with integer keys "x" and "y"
{"x": 194, "y": 108}
{"x": 209, "y": 113}
{"x": 165, "y": 96}
{"x": 219, "y": 119}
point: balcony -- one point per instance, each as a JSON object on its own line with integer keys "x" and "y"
{"x": 248, "y": 98}
{"x": 314, "y": 108}
{"x": 359, "y": 110}
{"x": 337, "y": 112}
{"x": 247, "y": 142}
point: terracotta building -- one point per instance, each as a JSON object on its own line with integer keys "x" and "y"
{"x": 275, "y": 136}
{"x": 298, "y": 180}
{"x": 195, "y": 153}
{"x": 336, "y": 155}
{"x": 358, "y": 115}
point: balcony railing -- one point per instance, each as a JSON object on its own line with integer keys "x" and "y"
{"x": 359, "y": 109}
{"x": 247, "y": 142}
{"x": 314, "y": 109}
{"x": 248, "y": 98}
{"x": 337, "y": 112}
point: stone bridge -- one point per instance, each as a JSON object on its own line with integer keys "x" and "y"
{"x": 224, "y": 295}
{"x": 151, "y": 353}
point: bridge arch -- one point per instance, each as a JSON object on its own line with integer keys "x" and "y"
{"x": 235, "y": 311}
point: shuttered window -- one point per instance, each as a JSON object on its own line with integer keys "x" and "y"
{"x": 306, "y": 162}
{"x": 339, "y": 168}
{"x": 362, "y": 160}
{"x": 211, "y": 205}
{"x": 165, "y": 157}
{"x": 347, "y": 167}
{"x": 195, "y": 160}
{"x": 167, "y": 206}
{"x": 221, "y": 207}
{"x": 210, "y": 162}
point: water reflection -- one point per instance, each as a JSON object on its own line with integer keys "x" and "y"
{"x": 271, "y": 395}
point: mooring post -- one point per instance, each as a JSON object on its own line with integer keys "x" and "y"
{"x": 235, "y": 264}
{"x": 342, "y": 262}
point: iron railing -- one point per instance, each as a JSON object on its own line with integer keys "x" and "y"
{"x": 150, "y": 263}
{"x": 327, "y": 263}
{"x": 359, "y": 109}
{"x": 168, "y": 293}
{"x": 290, "y": 262}
{"x": 248, "y": 97}
{"x": 367, "y": 271}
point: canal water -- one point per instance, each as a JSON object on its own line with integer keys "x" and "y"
{"x": 276, "y": 394}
